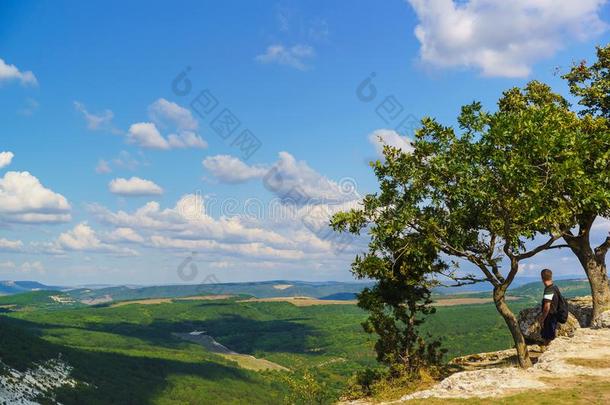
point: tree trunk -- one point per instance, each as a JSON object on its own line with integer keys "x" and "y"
{"x": 513, "y": 325}
{"x": 595, "y": 268}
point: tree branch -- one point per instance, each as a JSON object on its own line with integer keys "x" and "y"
{"x": 535, "y": 251}
{"x": 601, "y": 250}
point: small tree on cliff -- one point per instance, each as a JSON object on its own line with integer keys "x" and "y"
{"x": 469, "y": 197}
{"x": 588, "y": 188}
{"x": 400, "y": 299}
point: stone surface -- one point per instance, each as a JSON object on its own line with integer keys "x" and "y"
{"x": 582, "y": 309}
{"x": 603, "y": 321}
{"x": 530, "y": 327}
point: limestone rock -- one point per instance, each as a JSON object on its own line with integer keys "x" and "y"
{"x": 582, "y": 309}
{"x": 530, "y": 327}
{"x": 603, "y": 321}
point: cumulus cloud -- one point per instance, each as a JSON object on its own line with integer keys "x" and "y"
{"x": 186, "y": 139}
{"x": 10, "y": 73}
{"x": 6, "y": 158}
{"x": 134, "y": 187}
{"x": 163, "y": 112}
{"x": 165, "y": 115}
{"x": 297, "y": 182}
{"x": 23, "y": 199}
{"x": 125, "y": 235}
{"x": 99, "y": 121}
{"x": 501, "y": 38}
{"x": 146, "y": 135}
{"x": 382, "y": 137}
{"x": 83, "y": 238}
{"x": 230, "y": 169}
{"x": 294, "y": 56}
{"x": 7, "y": 245}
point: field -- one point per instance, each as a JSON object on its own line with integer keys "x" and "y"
{"x": 134, "y": 353}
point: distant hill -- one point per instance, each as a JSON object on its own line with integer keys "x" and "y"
{"x": 569, "y": 288}
{"x": 345, "y": 296}
{"x": 15, "y": 287}
{"x": 262, "y": 289}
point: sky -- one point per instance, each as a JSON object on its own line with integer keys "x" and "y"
{"x": 183, "y": 142}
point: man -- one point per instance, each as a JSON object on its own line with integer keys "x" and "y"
{"x": 548, "y": 318}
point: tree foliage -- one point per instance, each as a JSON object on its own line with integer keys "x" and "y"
{"x": 477, "y": 193}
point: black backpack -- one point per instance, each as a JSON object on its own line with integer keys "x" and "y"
{"x": 561, "y": 311}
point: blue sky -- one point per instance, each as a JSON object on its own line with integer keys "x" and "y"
{"x": 111, "y": 176}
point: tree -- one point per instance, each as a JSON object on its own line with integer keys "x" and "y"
{"x": 588, "y": 187}
{"x": 469, "y": 196}
{"x": 399, "y": 300}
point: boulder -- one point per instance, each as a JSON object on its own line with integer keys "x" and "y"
{"x": 603, "y": 321}
{"x": 582, "y": 309}
{"x": 530, "y": 327}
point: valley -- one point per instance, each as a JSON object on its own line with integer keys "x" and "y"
{"x": 135, "y": 350}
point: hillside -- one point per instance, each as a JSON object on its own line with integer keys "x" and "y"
{"x": 16, "y": 287}
{"x": 263, "y": 289}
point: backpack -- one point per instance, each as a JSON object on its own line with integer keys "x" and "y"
{"x": 561, "y": 311}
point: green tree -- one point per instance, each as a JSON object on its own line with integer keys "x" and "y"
{"x": 471, "y": 196}
{"x": 400, "y": 300}
{"x": 588, "y": 186}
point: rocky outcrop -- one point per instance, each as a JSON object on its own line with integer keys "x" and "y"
{"x": 582, "y": 309}
{"x": 557, "y": 362}
{"x": 530, "y": 327}
{"x": 35, "y": 384}
{"x": 603, "y": 321}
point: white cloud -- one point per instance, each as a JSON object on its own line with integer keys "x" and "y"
{"x": 23, "y": 199}
{"x": 125, "y": 235}
{"x": 5, "y": 159}
{"x": 32, "y": 266}
{"x": 294, "y": 56}
{"x": 10, "y": 245}
{"x": 382, "y": 137}
{"x": 230, "y": 169}
{"x": 10, "y": 72}
{"x": 98, "y": 121}
{"x": 186, "y": 139}
{"x": 146, "y": 135}
{"x": 501, "y": 38}
{"x": 163, "y": 111}
{"x": 134, "y": 187}
{"x": 295, "y": 181}
{"x": 83, "y": 238}
{"x": 102, "y": 167}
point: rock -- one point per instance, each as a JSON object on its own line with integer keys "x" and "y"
{"x": 582, "y": 309}
{"x": 530, "y": 327}
{"x": 603, "y": 321}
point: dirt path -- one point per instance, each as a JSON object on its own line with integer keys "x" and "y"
{"x": 586, "y": 354}
{"x": 244, "y": 360}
